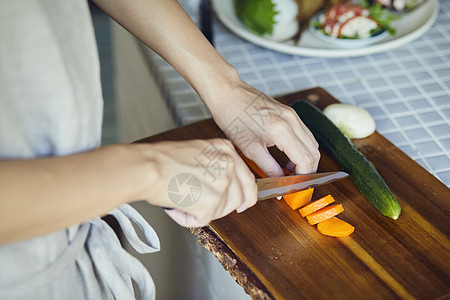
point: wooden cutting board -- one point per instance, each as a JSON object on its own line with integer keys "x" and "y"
{"x": 274, "y": 253}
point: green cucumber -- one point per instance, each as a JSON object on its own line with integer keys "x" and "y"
{"x": 344, "y": 152}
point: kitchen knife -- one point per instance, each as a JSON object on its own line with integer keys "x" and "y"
{"x": 278, "y": 186}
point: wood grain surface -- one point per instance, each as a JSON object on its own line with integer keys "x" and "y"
{"x": 286, "y": 258}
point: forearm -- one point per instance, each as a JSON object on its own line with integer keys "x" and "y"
{"x": 165, "y": 27}
{"x": 43, "y": 195}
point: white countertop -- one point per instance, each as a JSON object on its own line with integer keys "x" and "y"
{"x": 406, "y": 89}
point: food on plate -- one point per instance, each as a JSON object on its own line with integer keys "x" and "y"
{"x": 278, "y": 20}
{"x": 354, "y": 121}
{"x": 324, "y": 213}
{"x": 348, "y": 21}
{"x": 398, "y": 5}
{"x": 299, "y": 199}
{"x": 343, "y": 151}
{"x": 273, "y": 19}
{"x": 335, "y": 227}
{"x": 353, "y": 21}
{"x": 316, "y": 205}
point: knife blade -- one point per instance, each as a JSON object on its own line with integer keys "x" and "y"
{"x": 278, "y": 186}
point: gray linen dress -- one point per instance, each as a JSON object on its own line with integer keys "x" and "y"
{"x": 51, "y": 105}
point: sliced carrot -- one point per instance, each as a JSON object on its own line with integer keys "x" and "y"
{"x": 316, "y": 205}
{"x": 335, "y": 227}
{"x": 299, "y": 199}
{"x": 324, "y": 213}
{"x": 251, "y": 164}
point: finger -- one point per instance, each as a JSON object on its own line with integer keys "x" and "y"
{"x": 298, "y": 143}
{"x": 316, "y": 165}
{"x": 309, "y": 134}
{"x": 262, "y": 157}
{"x": 313, "y": 149}
{"x": 304, "y": 131}
{"x": 233, "y": 197}
{"x": 302, "y": 149}
{"x": 295, "y": 122}
{"x": 307, "y": 138}
{"x": 305, "y": 161}
{"x": 250, "y": 199}
{"x": 247, "y": 184}
{"x": 290, "y": 166}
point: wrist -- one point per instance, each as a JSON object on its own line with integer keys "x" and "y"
{"x": 218, "y": 84}
{"x": 140, "y": 170}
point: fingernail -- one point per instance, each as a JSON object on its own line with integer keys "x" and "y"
{"x": 240, "y": 209}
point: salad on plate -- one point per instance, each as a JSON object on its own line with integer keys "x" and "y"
{"x": 353, "y": 21}
{"x": 336, "y": 21}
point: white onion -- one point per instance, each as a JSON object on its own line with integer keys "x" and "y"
{"x": 354, "y": 121}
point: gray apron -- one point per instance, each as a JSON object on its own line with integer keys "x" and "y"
{"x": 51, "y": 105}
{"x": 94, "y": 261}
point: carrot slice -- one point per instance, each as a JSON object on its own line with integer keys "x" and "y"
{"x": 299, "y": 199}
{"x": 324, "y": 213}
{"x": 316, "y": 205}
{"x": 251, "y": 164}
{"x": 335, "y": 227}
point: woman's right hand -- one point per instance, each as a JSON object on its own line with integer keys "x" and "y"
{"x": 82, "y": 186}
{"x": 200, "y": 180}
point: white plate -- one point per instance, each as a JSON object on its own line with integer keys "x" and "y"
{"x": 409, "y": 27}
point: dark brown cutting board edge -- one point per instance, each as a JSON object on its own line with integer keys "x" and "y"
{"x": 273, "y": 253}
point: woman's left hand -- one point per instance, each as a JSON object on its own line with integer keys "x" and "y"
{"x": 255, "y": 122}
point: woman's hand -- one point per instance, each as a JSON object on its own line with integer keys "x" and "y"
{"x": 202, "y": 180}
{"x": 255, "y": 121}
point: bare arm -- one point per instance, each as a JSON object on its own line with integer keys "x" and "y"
{"x": 43, "y": 195}
{"x": 165, "y": 27}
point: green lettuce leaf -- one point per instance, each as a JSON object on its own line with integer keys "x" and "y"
{"x": 256, "y": 15}
{"x": 384, "y": 17}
